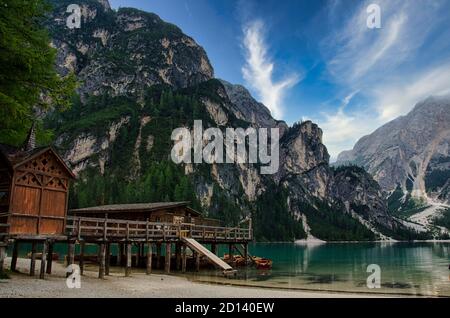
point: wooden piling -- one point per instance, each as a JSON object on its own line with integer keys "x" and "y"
{"x": 71, "y": 253}
{"x": 2, "y": 257}
{"x": 178, "y": 255}
{"x": 197, "y": 262}
{"x": 149, "y": 258}
{"x": 33, "y": 259}
{"x": 246, "y": 253}
{"x": 15, "y": 254}
{"x": 168, "y": 256}
{"x": 128, "y": 260}
{"x": 158, "y": 255}
{"x": 183, "y": 259}
{"x": 43, "y": 260}
{"x": 107, "y": 258}
{"x": 119, "y": 254}
{"x": 102, "y": 253}
{"x": 81, "y": 258}
{"x": 50, "y": 257}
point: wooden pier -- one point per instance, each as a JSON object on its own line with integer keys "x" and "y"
{"x": 151, "y": 236}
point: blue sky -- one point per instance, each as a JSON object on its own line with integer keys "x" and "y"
{"x": 318, "y": 59}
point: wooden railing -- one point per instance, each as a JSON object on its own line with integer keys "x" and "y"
{"x": 110, "y": 229}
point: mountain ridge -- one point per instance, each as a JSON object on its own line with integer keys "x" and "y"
{"x": 116, "y": 136}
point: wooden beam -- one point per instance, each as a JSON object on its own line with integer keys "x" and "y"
{"x": 108, "y": 258}
{"x": 168, "y": 256}
{"x": 128, "y": 259}
{"x": 214, "y": 248}
{"x": 2, "y": 257}
{"x": 197, "y": 262}
{"x": 178, "y": 255}
{"x": 81, "y": 256}
{"x": 50, "y": 257}
{"x": 158, "y": 255}
{"x": 246, "y": 253}
{"x": 15, "y": 254}
{"x": 149, "y": 258}
{"x": 183, "y": 259}
{"x": 119, "y": 254}
{"x": 101, "y": 268}
{"x": 33, "y": 259}
{"x": 70, "y": 255}
{"x": 43, "y": 259}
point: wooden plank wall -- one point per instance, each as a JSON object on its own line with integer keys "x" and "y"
{"x": 39, "y": 197}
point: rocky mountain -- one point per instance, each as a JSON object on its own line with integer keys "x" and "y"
{"x": 140, "y": 79}
{"x": 124, "y": 52}
{"x": 411, "y": 152}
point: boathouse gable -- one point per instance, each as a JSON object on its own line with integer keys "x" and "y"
{"x": 34, "y": 188}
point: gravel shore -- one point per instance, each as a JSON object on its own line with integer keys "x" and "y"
{"x": 138, "y": 285}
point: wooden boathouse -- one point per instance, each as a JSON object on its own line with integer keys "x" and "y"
{"x": 34, "y": 184}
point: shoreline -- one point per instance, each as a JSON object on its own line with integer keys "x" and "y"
{"x": 140, "y": 285}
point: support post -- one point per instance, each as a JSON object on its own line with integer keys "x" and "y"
{"x": 230, "y": 252}
{"x": 70, "y": 255}
{"x": 246, "y": 253}
{"x": 158, "y": 255}
{"x": 33, "y": 259}
{"x": 108, "y": 258}
{"x": 128, "y": 259}
{"x": 178, "y": 255}
{"x": 50, "y": 257}
{"x": 214, "y": 248}
{"x": 43, "y": 259}
{"x": 168, "y": 256}
{"x": 149, "y": 258}
{"x": 15, "y": 254}
{"x": 197, "y": 262}
{"x": 102, "y": 254}
{"x": 183, "y": 257}
{"x": 119, "y": 254}
{"x": 81, "y": 260}
{"x": 2, "y": 257}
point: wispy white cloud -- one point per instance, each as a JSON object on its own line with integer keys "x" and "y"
{"x": 259, "y": 68}
{"x": 384, "y": 66}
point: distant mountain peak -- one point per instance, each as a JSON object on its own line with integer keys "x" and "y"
{"x": 412, "y": 150}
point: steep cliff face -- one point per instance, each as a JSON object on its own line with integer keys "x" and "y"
{"x": 125, "y": 51}
{"x": 142, "y": 78}
{"x": 412, "y": 151}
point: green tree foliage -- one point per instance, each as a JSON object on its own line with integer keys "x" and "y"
{"x": 332, "y": 224}
{"x": 28, "y": 79}
{"x": 273, "y": 221}
{"x": 444, "y": 219}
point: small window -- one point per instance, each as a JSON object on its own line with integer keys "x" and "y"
{"x": 4, "y": 198}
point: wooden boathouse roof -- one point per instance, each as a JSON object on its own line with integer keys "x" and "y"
{"x": 15, "y": 156}
{"x": 135, "y": 207}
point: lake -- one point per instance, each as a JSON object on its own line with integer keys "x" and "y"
{"x": 406, "y": 268}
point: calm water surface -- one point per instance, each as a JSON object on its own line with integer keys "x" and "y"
{"x": 406, "y": 268}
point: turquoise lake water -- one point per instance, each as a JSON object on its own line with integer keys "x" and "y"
{"x": 406, "y": 268}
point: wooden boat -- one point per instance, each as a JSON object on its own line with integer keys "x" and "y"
{"x": 262, "y": 263}
{"x": 237, "y": 260}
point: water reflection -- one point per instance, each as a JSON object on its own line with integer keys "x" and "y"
{"x": 406, "y": 268}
